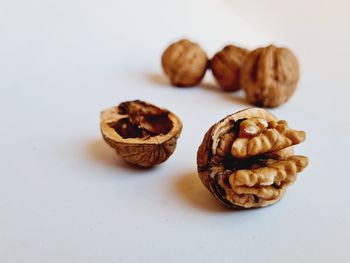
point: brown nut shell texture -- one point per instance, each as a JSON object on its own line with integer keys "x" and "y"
{"x": 269, "y": 76}
{"x": 141, "y": 133}
{"x": 226, "y": 67}
{"x": 246, "y": 160}
{"x": 185, "y": 63}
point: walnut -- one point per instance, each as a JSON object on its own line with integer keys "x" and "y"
{"x": 141, "y": 133}
{"x": 269, "y": 76}
{"x": 246, "y": 160}
{"x": 226, "y": 66}
{"x": 185, "y": 63}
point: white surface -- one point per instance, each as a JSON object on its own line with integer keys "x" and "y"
{"x": 65, "y": 196}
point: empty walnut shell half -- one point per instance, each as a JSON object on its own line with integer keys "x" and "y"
{"x": 141, "y": 133}
{"x": 246, "y": 160}
{"x": 185, "y": 63}
{"x": 269, "y": 76}
{"x": 226, "y": 67}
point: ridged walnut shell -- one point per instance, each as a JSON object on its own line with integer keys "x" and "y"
{"x": 226, "y": 67}
{"x": 246, "y": 160}
{"x": 185, "y": 63}
{"x": 269, "y": 76}
{"x": 141, "y": 133}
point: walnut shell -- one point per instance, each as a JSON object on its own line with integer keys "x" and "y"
{"x": 246, "y": 160}
{"x": 141, "y": 133}
{"x": 185, "y": 63}
{"x": 226, "y": 67}
{"x": 269, "y": 76}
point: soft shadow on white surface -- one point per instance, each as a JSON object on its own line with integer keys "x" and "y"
{"x": 158, "y": 79}
{"x": 189, "y": 188}
{"x": 205, "y": 85}
{"x": 235, "y": 97}
{"x": 100, "y": 152}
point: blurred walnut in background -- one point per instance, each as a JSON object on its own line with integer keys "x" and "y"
{"x": 226, "y": 66}
{"x": 185, "y": 63}
{"x": 269, "y": 76}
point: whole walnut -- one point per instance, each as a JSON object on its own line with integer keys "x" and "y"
{"x": 269, "y": 76}
{"x": 226, "y": 66}
{"x": 246, "y": 160}
{"x": 185, "y": 63}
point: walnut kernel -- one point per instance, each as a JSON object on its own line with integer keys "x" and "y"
{"x": 141, "y": 133}
{"x": 185, "y": 63}
{"x": 243, "y": 166}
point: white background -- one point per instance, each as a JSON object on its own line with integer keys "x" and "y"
{"x": 66, "y": 197}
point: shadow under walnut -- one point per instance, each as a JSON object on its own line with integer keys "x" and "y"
{"x": 189, "y": 187}
{"x": 99, "y": 152}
